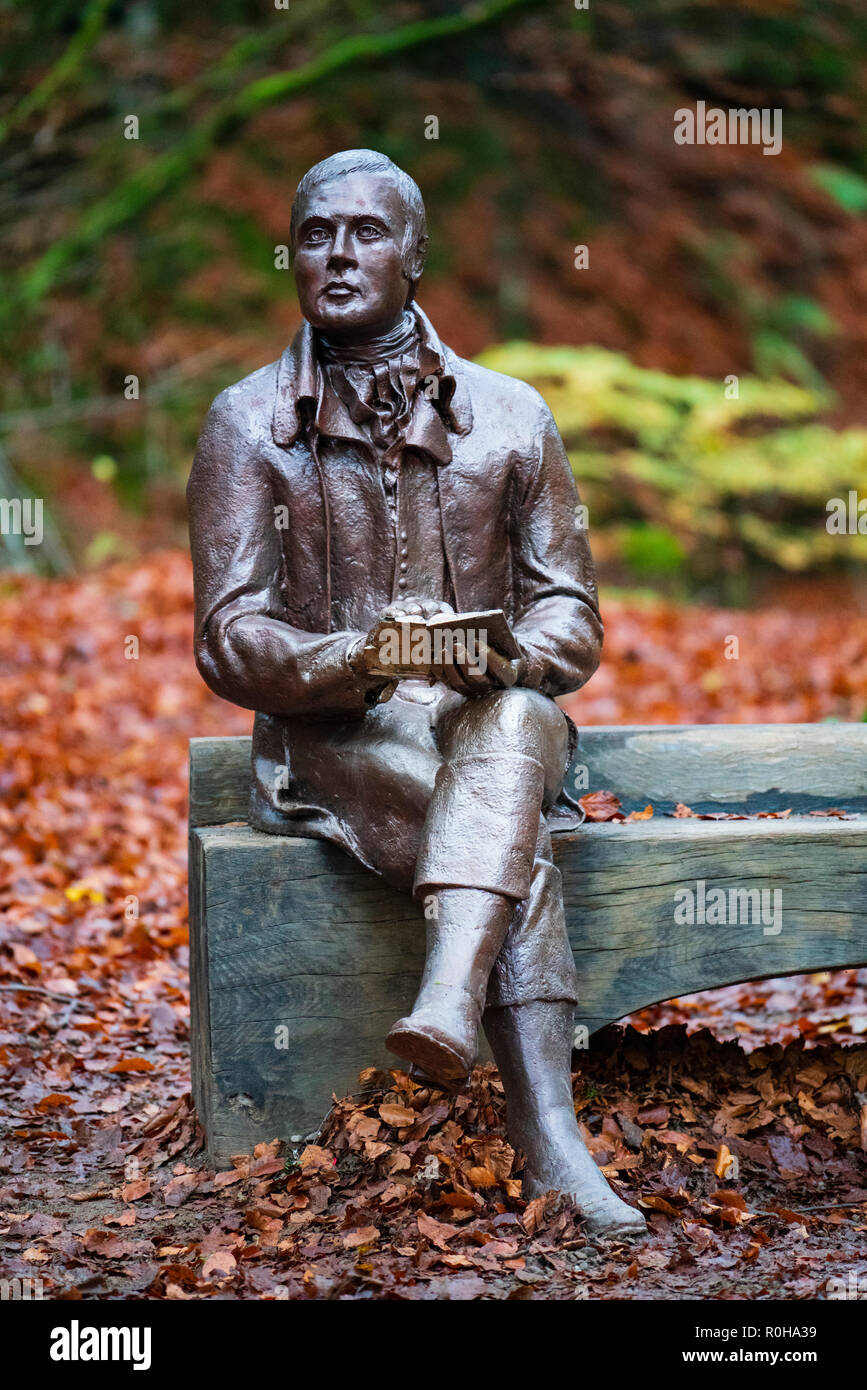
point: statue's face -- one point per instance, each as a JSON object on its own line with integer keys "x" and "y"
{"x": 348, "y": 267}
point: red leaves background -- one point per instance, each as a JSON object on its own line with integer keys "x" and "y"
{"x": 408, "y": 1193}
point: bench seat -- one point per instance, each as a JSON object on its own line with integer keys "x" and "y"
{"x": 301, "y": 959}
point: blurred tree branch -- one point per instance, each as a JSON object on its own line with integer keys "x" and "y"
{"x": 248, "y": 49}
{"x": 149, "y": 183}
{"x": 73, "y": 56}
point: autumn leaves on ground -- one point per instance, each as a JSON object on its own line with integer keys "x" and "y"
{"x": 744, "y": 1145}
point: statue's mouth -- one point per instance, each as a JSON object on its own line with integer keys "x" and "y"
{"x": 338, "y": 289}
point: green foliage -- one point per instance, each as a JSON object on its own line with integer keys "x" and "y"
{"x": 651, "y": 550}
{"x": 677, "y": 475}
{"x": 844, "y": 185}
{"x": 146, "y": 240}
{"x": 176, "y": 165}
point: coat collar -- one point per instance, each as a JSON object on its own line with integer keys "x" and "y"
{"x": 299, "y": 394}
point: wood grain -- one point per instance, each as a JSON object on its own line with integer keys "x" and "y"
{"x": 291, "y": 933}
{"x": 731, "y": 767}
{"x": 620, "y": 883}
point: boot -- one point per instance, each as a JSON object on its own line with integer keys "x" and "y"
{"x": 474, "y": 865}
{"x": 532, "y": 1046}
{"x": 463, "y": 941}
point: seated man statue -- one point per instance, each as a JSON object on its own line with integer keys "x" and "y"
{"x": 367, "y": 478}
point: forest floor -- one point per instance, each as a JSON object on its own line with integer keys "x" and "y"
{"x": 740, "y": 1126}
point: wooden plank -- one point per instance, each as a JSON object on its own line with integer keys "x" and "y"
{"x": 300, "y": 937}
{"x": 219, "y": 780}
{"x": 733, "y": 767}
{"x": 729, "y": 767}
{"x": 200, "y": 993}
{"x": 620, "y": 884}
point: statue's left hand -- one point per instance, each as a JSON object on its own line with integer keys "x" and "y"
{"x": 414, "y": 608}
{"x": 476, "y": 678}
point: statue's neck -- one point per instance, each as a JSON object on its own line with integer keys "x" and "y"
{"x": 380, "y": 348}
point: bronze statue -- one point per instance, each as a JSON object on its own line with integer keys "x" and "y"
{"x": 368, "y": 482}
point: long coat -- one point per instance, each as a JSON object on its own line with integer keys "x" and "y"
{"x": 267, "y": 473}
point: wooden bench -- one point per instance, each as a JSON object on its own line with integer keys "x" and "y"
{"x": 301, "y": 959}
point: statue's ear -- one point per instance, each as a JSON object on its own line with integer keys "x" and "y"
{"x": 417, "y": 259}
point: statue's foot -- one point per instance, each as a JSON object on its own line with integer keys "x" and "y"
{"x": 439, "y": 1036}
{"x": 421, "y": 1078}
{"x": 605, "y": 1214}
{"x": 560, "y": 1161}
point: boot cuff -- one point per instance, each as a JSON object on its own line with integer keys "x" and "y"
{"x": 482, "y": 825}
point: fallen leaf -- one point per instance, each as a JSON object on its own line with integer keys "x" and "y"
{"x": 397, "y": 1115}
{"x": 221, "y": 1265}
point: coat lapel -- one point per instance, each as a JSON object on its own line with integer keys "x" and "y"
{"x": 297, "y": 400}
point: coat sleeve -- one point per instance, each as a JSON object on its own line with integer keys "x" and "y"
{"x": 557, "y": 618}
{"x": 245, "y": 649}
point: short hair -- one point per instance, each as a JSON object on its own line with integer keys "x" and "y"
{"x": 371, "y": 161}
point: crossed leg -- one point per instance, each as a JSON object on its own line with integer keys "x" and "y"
{"x": 454, "y": 806}
{"x": 504, "y": 756}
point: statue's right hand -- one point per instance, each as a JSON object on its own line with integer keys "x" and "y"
{"x": 413, "y": 607}
{"x": 370, "y": 654}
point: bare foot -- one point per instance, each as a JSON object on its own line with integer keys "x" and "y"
{"x": 558, "y": 1160}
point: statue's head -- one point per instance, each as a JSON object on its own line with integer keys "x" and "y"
{"x": 359, "y": 237}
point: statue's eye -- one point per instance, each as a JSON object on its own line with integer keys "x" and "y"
{"x": 316, "y": 236}
{"x": 368, "y": 231}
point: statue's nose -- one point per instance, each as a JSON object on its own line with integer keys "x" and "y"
{"x": 342, "y": 249}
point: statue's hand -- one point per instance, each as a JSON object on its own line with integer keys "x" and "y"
{"x": 368, "y": 655}
{"x": 373, "y": 656}
{"x": 413, "y": 608}
{"x": 491, "y": 671}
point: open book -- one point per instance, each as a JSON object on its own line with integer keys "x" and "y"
{"x": 405, "y": 648}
